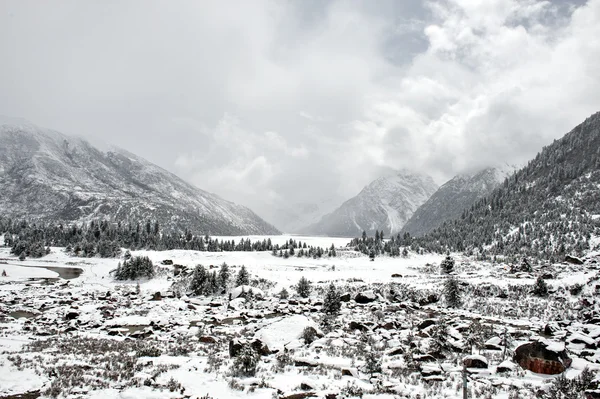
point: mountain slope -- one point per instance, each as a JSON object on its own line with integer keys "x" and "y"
{"x": 547, "y": 209}
{"x": 451, "y": 199}
{"x": 385, "y": 204}
{"x": 46, "y": 175}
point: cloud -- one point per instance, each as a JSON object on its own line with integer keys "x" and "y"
{"x": 274, "y": 104}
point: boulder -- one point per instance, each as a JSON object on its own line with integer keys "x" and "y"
{"x": 258, "y": 293}
{"x": 543, "y": 357}
{"x": 506, "y": 366}
{"x": 573, "y": 260}
{"x": 354, "y": 325}
{"x": 71, "y": 315}
{"x": 167, "y": 262}
{"x": 350, "y": 372}
{"x": 207, "y": 340}
{"x": 157, "y": 296}
{"x": 365, "y": 297}
{"x": 396, "y": 275}
{"x": 475, "y": 362}
{"x": 235, "y": 346}
{"x": 426, "y": 323}
{"x": 345, "y": 297}
{"x": 493, "y": 344}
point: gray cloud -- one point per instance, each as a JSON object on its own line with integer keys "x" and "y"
{"x": 276, "y": 103}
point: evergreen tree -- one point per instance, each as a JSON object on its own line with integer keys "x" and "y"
{"x": 439, "y": 337}
{"x": 199, "y": 277}
{"x": 283, "y": 294}
{"x": 134, "y": 268}
{"x": 224, "y": 275}
{"x": 304, "y": 287}
{"x": 474, "y": 336}
{"x": 246, "y": 361}
{"x": 243, "y": 277}
{"x": 452, "y": 292}
{"x": 332, "y": 302}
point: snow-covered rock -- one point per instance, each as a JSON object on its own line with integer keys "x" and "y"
{"x": 236, "y": 292}
{"x": 280, "y": 333}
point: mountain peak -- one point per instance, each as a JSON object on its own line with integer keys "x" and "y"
{"x": 384, "y": 204}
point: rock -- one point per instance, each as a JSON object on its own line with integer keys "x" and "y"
{"x": 350, "y": 372}
{"x": 365, "y": 297}
{"x": 424, "y": 358}
{"x": 543, "y": 357}
{"x": 307, "y": 386}
{"x": 207, "y": 340}
{"x": 345, "y": 297}
{"x": 547, "y": 276}
{"x": 475, "y": 362}
{"x": 395, "y": 351}
{"x": 258, "y": 293}
{"x": 396, "y": 275}
{"x": 578, "y": 338}
{"x": 573, "y": 260}
{"x": 506, "y": 366}
{"x": 426, "y": 323}
{"x": 71, "y": 315}
{"x": 235, "y": 346}
{"x": 429, "y": 299}
{"x": 389, "y": 326}
{"x": 262, "y": 348}
{"x": 157, "y": 296}
{"x": 493, "y": 344}
{"x": 551, "y": 328}
{"x": 305, "y": 363}
{"x": 430, "y": 369}
{"x": 354, "y": 325}
{"x": 302, "y": 395}
{"x": 191, "y": 307}
{"x": 166, "y": 262}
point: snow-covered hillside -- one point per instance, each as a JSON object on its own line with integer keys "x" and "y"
{"x": 453, "y": 197}
{"x": 50, "y": 176}
{"x": 385, "y": 204}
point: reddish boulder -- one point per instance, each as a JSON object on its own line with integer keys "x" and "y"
{"x": 543, "y": 357}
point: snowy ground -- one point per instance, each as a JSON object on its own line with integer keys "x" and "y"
{"x": 92, "y": 336}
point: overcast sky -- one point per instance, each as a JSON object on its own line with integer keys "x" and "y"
{"x": 274, "y": 103}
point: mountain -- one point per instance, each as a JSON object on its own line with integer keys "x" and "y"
{"x": 46, "y": 175}
{"x": 548, "y": 209}
{"x": 452, "y": 198}
{"x": 385, "y": 204}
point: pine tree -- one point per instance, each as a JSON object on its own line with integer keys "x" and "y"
{"x": 246, "y": 361}
{"x": 304, "y": 287}
{"x": 332, "y": 302}
{"x": 439, "y": 336}
{"x": 199, "y": 277}
{"x": 243, "y": 277}
{"x": 452, "y": 292}
{"x": 474, "y": 336}
{"x": 283, "y": 294}
{"x": 224, "y": 276}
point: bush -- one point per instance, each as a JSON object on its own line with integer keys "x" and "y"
{"x": 243, "y": 277}
{"x": 447, "y": 265}
{"x": 540, "y": 287}
{"x": 309, "y": 335}
{"x": 246, "y": 362}
{"x": 283, "y": 294}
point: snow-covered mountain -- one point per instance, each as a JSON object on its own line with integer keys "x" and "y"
{"x": 453, "y": 197}
{"x": 385, "y": 204}
{"x": 47, "y": 175}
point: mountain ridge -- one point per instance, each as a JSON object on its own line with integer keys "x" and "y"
{"x": 384, "y": 204}
{"x": 47, "y": 175}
